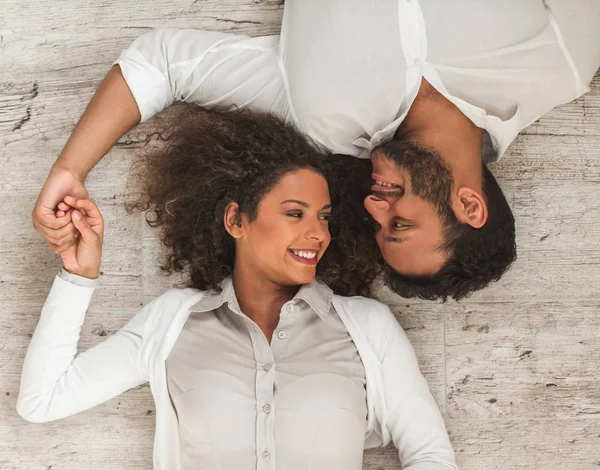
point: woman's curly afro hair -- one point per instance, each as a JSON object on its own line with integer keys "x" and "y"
{"x": 206, "y": 159}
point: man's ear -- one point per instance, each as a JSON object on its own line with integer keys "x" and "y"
{"x": 233, "y": 220}
{"x": 471, "y": 208}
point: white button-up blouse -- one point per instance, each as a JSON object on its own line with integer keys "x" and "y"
{"x": 298, "y": 403}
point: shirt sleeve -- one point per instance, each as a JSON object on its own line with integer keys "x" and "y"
{"x": 205, "y": 67}
{"x": 413, "y": 417}
{"x": 77, "y": 280}
{"x": 56, "y": 382}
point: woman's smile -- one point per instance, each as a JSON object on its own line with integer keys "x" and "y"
{"x": 305, "y": 256}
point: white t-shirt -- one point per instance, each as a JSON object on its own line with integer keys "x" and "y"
{"x": 347, "y": 71}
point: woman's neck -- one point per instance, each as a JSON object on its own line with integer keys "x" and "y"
{"x": 260, "y": 299}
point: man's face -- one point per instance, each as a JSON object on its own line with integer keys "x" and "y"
{"x": 411, "y": 201}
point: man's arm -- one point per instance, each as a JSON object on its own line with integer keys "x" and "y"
{"x": 110, "y": 114}
{"x": 160, "y": 67}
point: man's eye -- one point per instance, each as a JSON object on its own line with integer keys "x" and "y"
{"x": 399, "y": 226}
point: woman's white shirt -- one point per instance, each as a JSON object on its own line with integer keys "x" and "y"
{"x": 57, "y": 382}
{"x": 298, "y": 403}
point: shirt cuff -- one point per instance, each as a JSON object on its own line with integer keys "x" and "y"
{"x": 77, "y": 280}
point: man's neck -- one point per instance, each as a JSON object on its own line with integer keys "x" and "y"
{"x": 434, "y": 121}
{"x": 260, "y": 299}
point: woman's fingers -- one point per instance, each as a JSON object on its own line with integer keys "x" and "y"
{"x": 88, "y": 235}
{"x": 85, "y": 206}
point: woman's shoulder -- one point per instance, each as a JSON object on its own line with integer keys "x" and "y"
{"x": 375, "y": 321}
{"x": 368, "y": 313}
{"x": 361, "y": 305}
{"x": 164, "y": 308}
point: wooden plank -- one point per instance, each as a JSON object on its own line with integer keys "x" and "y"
{"x": 557, "y": 240}
{"x": 523, "y": 360}
{"x": 538, "y": 159}
{"x": 75, "y": 39}
{"x": 118, "y": 443}
{"x": 547, "y": 444}
{"x": 500, "y": 444}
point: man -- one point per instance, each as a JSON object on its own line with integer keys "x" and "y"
{"x": 431, "y": 90}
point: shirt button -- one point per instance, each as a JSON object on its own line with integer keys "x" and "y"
{"x": 290, "y": 308}
{"x": 267, "y": 367}
{"x": 266, "y": 455}
{"x": 267, "y": 408}
{"x": 281, "y": 335}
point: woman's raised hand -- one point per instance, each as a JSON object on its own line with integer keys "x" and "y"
{"x": 85, "y": 255}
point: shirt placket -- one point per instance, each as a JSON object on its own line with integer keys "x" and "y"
{"x": 265, "y": 398}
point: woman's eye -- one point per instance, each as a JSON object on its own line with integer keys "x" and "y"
{"x": 296, "y": 214}
{"x": 325, "y": 217}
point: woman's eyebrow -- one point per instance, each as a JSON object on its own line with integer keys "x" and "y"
{"x": 302, "y": 203}
{"x": 305, "y": 204}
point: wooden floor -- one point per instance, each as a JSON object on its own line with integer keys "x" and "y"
{"x": 515, "y": 369}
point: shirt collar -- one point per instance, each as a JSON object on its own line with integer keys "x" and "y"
{"x": 316, "y": 294}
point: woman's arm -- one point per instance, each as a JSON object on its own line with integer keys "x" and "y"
{"x": 413, "y": 418}
{"x": 160, "y": 67}
{"x": 56, "y": 382}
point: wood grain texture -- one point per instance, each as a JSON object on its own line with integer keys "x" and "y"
{"x": 514, "y": 368}
{"x": 523, "y": 360}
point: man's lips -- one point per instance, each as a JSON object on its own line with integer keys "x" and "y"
{"x": 381, "y": 184}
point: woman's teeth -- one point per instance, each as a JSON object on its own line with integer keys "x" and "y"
{"x": 305, "y": 254}
{"x": 386, "y": 185}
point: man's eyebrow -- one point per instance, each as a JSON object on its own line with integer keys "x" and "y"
{"x": 304, "y": 204}
{"x": 396, "y": 240}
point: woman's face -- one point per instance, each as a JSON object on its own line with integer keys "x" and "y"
{"x": 290, "y": 233}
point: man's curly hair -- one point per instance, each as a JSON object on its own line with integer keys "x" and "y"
{"x": 207, "y": 159}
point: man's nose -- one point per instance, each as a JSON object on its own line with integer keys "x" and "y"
{"x": 379, "y": 209}
{"x": 380, "y": 204}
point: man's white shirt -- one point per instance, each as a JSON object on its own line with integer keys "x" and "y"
{"x": 346, "y": 72}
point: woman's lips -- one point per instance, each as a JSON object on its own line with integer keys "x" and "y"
{"x": 300, "y": 259}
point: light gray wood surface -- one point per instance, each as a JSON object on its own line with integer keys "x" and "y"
{"x": 514, "y": 368}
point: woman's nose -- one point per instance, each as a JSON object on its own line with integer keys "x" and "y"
{"x": 318, "y": 231}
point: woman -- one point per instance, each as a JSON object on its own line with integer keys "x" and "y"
{"x": 256, "y": 364}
